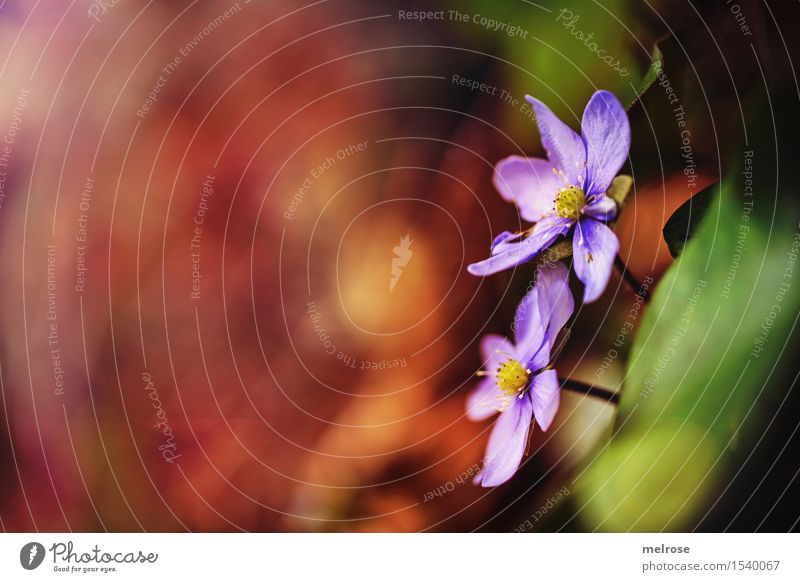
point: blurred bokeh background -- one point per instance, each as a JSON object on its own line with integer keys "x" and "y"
{"x": 200, "y": 205}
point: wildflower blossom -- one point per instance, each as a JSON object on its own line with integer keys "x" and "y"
{"x": 566, "y": 190}
{"x": 519, "y": 382}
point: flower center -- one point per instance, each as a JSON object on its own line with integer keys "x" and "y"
{"x": 511, "y": 377}
{"x": 569, "y": 202}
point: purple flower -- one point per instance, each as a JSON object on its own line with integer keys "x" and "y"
{"x": 518, "y": 382}
{"x": 569, "y": 188}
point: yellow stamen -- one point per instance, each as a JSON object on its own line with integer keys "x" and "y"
{"x": 512, "y": 377}
{"x": 569, "y": 202}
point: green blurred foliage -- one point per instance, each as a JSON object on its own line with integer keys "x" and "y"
{"x": 558, "y": 62}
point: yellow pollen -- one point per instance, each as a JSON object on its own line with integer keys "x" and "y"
{"x": 512, "y": 377}
{"x": 569, "y": 202}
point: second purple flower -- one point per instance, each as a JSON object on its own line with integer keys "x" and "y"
{"x": 519, "y": 381}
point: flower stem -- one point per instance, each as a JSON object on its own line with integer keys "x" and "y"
{"x": 630, "y": 279}
{"x": 581, "y": 388}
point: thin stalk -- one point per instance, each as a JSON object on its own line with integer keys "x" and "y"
{"x": 630, "y": 279}
{"x": 581, "y": 388}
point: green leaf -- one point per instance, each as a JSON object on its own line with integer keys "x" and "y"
{"x": 702, "y": 367}
{"x": 651, "y": 75}
{"x": 633, "y": 489}
{"x": 682, "y": 225}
